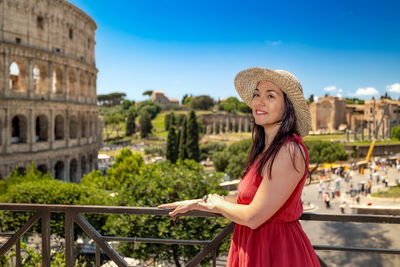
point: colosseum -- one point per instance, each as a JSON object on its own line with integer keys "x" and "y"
{"x": 48, "y": 106}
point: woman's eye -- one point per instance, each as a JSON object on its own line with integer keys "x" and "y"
{"x": 270, "y": 96}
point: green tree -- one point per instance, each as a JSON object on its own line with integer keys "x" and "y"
{"x": 231, "y": 104}
{"x": 145, "y": 124}
{"x": 208, "y": 149}
{"x": 395, "y": 132}
{"x": 182, "y": 150}
{"x": 172, "y": 145}
{"x": 148, "y": 93}
{"x": 166, "y": 182}
{"x": 130, "y": 123}
{"x": 127, "y": 104}
{"x": 310, "y": 99}
{"x": 166, "y": 122}
{"x": 202, "y": 102}
{"x": 321, "y": 151}
{"x": 186, "y": 100}
{"x": 33, "y": 187}
{"x": 232, "y": 160}
{"x": 111, "y": 123}
{"x": 125, "y": 166}
{"x": 192, "y": 134}
{"x": 150, "y": 107}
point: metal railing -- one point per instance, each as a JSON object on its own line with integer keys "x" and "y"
{"x": 73, "y": 215}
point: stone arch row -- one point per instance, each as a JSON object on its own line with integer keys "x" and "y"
{"x": 71, "y": 169}
{"x": 78, "y": 127}
{"x": 226, "y": 124}
{"x": 43, "y": 78}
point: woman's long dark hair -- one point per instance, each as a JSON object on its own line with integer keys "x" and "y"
{"x": 287, "y": 129}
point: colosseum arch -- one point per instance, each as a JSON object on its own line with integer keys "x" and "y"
{"x": 83, "y": 165}
{"x": 91, "y": 163}
{"x": 17, "y": 77}
{"x": 57, "y": 81}
{"x": 19, "y": 129}
{"x": 91, "y": 125}
{"x": 59, "y": 127}
{"x": 73, "y": 170}
{"x": 39, "y": 78}
{"x": 73, "y": 127}
{"x": 59, "y": 170}
{"x": 82, "y": 85}
{"x": 41, "y": 128}
{"x": 42, "y": 168}
{"x": 71, "y": 83}
{"x": 83, "y": 126}
{"x": 89, "y": 86}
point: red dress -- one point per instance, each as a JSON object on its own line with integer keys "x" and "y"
{"x": 280, "y": 241}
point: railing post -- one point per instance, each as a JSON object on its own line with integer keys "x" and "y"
{"x": 97, "y": 255}
{"x": 214, "y": 258}
{"x": 69, "y": 239}
{"x": 18, "y": 253}
{"x": 45, "y": 214}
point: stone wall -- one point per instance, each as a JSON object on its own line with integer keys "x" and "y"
{"x": 48, "y": 110}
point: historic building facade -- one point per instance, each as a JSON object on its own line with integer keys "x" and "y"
{"x": 374, "y": 118}
{"x": 48, "y": 110}
{"x": 160, "y": 98}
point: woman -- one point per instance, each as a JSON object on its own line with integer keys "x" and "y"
{"x": 268, "y": 205}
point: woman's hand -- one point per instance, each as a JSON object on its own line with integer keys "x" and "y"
{"x": 214, "y": 201}
{"x": 181, "y": 206}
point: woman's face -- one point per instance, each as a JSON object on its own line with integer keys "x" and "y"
{"x": 268, "y": 104}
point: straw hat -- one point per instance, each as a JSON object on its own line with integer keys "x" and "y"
{"x": 246, "y": 81}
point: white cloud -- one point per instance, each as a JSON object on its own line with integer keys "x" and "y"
{"x": 339, "y": 95}
{"x": 274, "y": 43}
{"x": 330, "y": 88}
{"x": 340, "y": 90}
{"x": 366, "y": 91}
{"x": 395, "y": 88}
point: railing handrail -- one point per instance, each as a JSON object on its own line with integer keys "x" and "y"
{"x": 391, "y": 219}
{"x": 72, "y": 213}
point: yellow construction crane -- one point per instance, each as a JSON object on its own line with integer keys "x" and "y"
{"x": 371, "y": 147}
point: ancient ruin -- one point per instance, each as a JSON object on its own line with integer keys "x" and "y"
{"x": 48, "y": 110}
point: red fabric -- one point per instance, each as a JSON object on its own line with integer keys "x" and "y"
{"x": 280, "y": 241}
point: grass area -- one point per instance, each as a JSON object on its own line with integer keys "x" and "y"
{"x": 325, "y": 137}
{"x": 391, "y": 192}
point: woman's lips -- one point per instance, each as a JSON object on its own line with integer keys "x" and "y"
{"x": 260, "y": 112}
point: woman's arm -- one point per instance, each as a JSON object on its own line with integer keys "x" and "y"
{"x": 271, "y": 194}
{"x": 231, "y": 198}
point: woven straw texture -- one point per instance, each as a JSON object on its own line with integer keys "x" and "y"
{"x": 246, "y": 81}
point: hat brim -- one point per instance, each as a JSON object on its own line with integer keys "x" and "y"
{"x": 247, "y": 80}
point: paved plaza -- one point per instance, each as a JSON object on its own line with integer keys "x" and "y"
{"x": 352, "y": 234}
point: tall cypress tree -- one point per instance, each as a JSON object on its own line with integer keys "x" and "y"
{"x": 183, "y": 140}
{"x": 172, "y": 119}
{"x": 166, "y": 122}
{"x": 145, "y": 124}
{"x": 130, "y": 123}
{"x": 172, "y": 151}
{"x": 192, "y": 133}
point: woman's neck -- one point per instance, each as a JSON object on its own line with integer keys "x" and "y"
{"x": 270, "y": 133}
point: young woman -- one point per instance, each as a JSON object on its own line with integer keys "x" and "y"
{"x": 268, "y": 205}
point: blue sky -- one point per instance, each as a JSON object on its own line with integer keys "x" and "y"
{"x": 347, "y": 48}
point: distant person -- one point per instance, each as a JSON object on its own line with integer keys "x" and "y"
{"x": 369, "y": 186}
{"x": 343, "y": 206}
{"x": 326, "y": 200}
{"x": 320, "y": 187}
{"x": 267, "y": 207}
